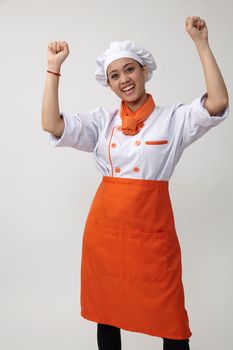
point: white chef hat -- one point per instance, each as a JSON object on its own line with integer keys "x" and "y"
{"x": 119, "y": 49}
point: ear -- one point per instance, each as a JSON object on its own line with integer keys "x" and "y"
{"x": 109, "y": 84}
{"x": 145, "y": 71}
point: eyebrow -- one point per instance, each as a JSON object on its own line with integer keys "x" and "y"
{"x": 123, "y": 67}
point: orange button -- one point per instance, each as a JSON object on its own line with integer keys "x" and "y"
{"x": 117, "y": 169}
{"x": 137, "y": 143}
{"x": 114, "y": 145}
{"x": 136, "y": 169}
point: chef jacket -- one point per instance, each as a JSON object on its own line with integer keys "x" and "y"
{"x": 150, "y": 154}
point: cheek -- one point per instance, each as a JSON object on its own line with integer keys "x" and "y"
{"x": 113, "y": 86}
{"x": 139, "y": 78}
{"x": 116, "y": 88}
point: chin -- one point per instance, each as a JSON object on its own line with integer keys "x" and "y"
{"x": 131, "y": 98}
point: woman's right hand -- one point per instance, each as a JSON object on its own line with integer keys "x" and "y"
{"x": 57, "y": 53}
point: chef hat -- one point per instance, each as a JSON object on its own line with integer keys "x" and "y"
{"x": 119, "y": 49}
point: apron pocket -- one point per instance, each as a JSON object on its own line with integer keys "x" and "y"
{"x": 146, "y": 256}
{"x": 104, "y": 253}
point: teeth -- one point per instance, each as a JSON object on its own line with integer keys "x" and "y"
{"x": 128, "y": 88}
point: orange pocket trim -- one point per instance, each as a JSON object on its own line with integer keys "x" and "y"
{"x": 159, "y": 142}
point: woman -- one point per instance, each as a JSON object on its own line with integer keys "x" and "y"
{"x": 131, "y": 273}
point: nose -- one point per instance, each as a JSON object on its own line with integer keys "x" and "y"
{"x": 124, "y": 78}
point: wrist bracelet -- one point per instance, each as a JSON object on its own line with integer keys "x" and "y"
{"x": 49, "y": 71}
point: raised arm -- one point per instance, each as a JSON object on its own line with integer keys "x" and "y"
{"x": 51, "y": 119}
{"x": 217, "y": 96}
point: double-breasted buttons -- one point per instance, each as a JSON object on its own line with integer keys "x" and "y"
{"x": 117, "y": 169}
{"x": 117, "y": 145}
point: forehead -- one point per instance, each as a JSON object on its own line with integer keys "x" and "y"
{"x": 119, "y": 63}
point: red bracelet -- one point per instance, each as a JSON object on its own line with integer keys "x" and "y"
{"x": 53, "y": 73}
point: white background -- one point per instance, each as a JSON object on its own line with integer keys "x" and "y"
{"x": 46, "y": 192}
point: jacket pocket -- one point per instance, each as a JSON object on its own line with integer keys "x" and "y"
{"x": 156, "y": 142}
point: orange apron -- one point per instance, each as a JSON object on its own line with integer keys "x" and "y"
{"x": 131, "y": 272}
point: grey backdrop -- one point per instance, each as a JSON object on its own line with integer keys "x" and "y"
{"x": 46, "y": 192}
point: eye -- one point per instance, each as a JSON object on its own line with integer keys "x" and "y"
{"x": 130, "y": 69}
{"x": 114, "y": 76}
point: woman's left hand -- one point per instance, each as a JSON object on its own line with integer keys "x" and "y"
{"x": 197, "y": 29}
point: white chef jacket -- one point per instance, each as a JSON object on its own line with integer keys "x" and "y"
{"x": 152, "y": 153}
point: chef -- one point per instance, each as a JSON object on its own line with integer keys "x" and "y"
{"x": 131, "y": 267}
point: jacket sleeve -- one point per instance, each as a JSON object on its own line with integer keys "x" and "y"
{"x": 193, "y": 120}
{"x": 81, "y": 131}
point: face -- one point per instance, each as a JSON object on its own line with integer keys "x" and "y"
{"x": 127, "y": 79}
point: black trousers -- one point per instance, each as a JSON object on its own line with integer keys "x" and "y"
{"x": 109, "y": 338}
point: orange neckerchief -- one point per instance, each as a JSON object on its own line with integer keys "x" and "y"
{"x": 131, "y": 121}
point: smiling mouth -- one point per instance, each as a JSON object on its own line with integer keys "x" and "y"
{"x": 128, "y": 90}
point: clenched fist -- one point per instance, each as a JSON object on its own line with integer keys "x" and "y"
{"x": 197, "y": 29}
{"x": 57, "y": 53}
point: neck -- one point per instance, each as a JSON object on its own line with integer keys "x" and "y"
{"x": 138, "y": 103}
